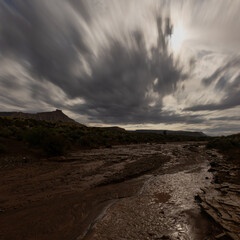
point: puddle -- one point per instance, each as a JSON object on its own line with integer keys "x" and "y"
{"x": 161, "y": 197}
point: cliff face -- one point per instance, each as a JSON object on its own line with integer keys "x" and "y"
{"x": 55, "y": 116}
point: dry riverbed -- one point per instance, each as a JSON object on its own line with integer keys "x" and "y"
{"x": 125, "y": 192}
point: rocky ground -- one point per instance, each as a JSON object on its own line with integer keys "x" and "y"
{"x": 143, "y": 191}
{"x": 221, "y": 200}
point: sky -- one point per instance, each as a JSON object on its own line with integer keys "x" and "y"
{"x": 138, "y": 64}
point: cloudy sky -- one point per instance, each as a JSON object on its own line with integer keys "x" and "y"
{"x": 153, "y": 64}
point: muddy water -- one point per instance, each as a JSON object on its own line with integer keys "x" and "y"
{"x": 171, "y": 200}
{"x": 164, "y": 207}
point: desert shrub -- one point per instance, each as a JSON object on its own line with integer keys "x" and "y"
{"x": 54, "y": 145}
{"x": 5, "y": 132}
{"x": 88, "y": 141}
{"x": 36, "y": 136}
{"x": 235, "y": 142}
{"x": 2, "y": 148}
{"x": 46, "y": 139}
{"x": 19, "y": 134}
{"x": 224, "y": 143}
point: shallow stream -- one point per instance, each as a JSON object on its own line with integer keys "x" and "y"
{"x": 164, "y": 208}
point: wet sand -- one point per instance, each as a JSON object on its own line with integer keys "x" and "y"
{"x": 126, "y": 192}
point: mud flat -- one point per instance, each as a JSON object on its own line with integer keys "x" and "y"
{"x": 143, "y": 191}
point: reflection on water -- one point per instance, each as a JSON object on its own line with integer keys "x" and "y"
{"x": 165, "y": 207}
{"x": 180, "y": 208}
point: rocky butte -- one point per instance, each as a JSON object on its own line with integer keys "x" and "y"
{"x": 55, "y": 116}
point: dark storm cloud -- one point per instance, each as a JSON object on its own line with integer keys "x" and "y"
{"x": 139, "y": 116}
{"x": 235, "y": 62}
{"x": 232, "y": 118}
{"x": 231, "y": 99}
{"x": 222, "y": 129}
{"x": 9, "y": 82}
{"x": 221, "y": 78}
{"x": 124, "y": 78}
{"x": 80, "y": 6}
{"x": 44, "y": 37}
{"x": 117, "y": 90}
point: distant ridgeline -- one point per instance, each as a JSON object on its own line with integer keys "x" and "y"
{"x": 55, "y": 116}
{"x": 169, "y": 132}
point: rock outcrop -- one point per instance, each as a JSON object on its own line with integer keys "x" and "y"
{"x": 221, "y": 201}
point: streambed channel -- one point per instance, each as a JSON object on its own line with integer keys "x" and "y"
{"x": 130, "y": 192}
{"x": 164, "y": 206}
